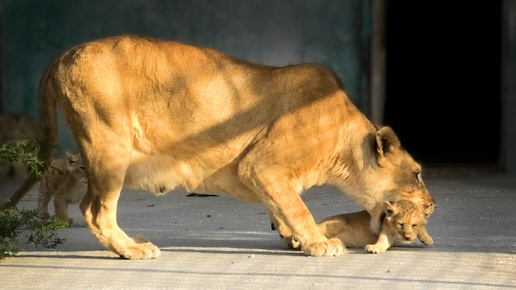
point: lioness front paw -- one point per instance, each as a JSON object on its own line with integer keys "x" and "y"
{"x": 141, "y": 251}
{"x": 329, "y": 248}
{"x": 375, "y": 249}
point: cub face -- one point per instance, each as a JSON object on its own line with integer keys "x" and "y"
{"x": 75, "y": 167}
{"x": 406, "y": 219}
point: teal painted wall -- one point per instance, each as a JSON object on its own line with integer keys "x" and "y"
{"x": 335, "y": 33}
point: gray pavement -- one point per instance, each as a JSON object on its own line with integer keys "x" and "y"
{"x": 222, "y": 243}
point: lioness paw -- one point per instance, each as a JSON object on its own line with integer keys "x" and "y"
{"x": 329, "y": 248}
{"x": 375, "y": 249}
{"x": 141, "y": 252}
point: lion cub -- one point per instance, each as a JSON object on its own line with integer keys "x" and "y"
{"x": 403, "y": 222}
{"x": 66, "y": 181}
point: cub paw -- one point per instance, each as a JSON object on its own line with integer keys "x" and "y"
{"x": 428, "y": 241}
{"x": 329, "y": 248}
{"x": 141, "y": 251}
{"x": 374, "y": 249}
{"x": 286, "y": 236}
{"x": 291, "y": 242}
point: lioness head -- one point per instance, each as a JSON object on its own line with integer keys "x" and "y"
{"x": 394, "y": 173}
{"x": 405, "y": 219}
{"x": 75, "y": 167}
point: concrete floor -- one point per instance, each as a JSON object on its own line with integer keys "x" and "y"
{"x": 222, "y": 243}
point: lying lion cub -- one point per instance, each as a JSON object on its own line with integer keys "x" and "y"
{"x": 66, "y": 181}
{"x": 402, "y": 223}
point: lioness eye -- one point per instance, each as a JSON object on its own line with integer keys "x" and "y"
{"x": 418, "y": 177}
{"x": 82, "y": 167}
{"x": 414, "y": 226}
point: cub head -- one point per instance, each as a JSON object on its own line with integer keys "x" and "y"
{"x": 405, "y": 218}
{"x": 394, "y": 173}
{"x": 75, "y": 167}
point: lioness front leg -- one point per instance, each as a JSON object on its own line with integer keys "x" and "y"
{"x": 271, "y": 184}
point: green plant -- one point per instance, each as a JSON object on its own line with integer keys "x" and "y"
{"x": 25, "y": 151}
{"x": 28, "y": 224}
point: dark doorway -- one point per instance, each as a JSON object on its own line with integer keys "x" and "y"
{"x": 443, "y": 91}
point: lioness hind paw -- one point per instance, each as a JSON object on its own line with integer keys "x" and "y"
{"x": 329, "y": 248}
{"x": 141, "y": 251}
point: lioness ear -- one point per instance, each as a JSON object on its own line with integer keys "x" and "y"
{"x": 386, "y": 142}
{"x": 389, "y": 208}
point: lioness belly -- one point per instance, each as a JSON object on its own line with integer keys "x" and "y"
{"x": 160, "y": 174}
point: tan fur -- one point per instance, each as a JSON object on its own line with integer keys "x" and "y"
{"x": 66, "y": 182}
{"x": 403, "y": 222}
{"x": 159, "y": 115}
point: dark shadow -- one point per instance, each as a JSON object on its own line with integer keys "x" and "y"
{"x": 443, "y": 94}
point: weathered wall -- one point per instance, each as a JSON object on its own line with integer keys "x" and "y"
{"x": 331, "y": 32}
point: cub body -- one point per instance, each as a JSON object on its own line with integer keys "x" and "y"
{"x": 66, "y": 182}
{"x": 404, "y": 221}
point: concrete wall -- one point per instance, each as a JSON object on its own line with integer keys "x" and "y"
{"x": 331, "y": 32}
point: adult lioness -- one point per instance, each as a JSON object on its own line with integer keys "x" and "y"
{"x": 159, "y": 115}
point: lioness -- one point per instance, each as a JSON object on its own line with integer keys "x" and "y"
{"x": 160, "y": 115}
{"x": 403, "y": 221}
{"x": 66, "y": 182}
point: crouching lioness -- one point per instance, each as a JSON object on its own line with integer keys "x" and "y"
{"x": 159, "y": 115}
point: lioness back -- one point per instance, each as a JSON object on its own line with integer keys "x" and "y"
{"x": 66, "y": 182}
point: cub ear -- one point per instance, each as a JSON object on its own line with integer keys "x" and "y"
{"x": 428, "y": 210}
{"x": 390, "y": 210}
{"x": 70, "y": 158}
{"x": 386, "y": 142}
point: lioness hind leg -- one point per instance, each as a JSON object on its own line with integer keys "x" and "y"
{"x": 100, "y": 216}
{"x": 106, "y": 170}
